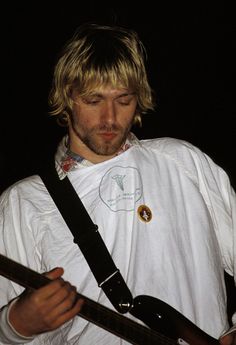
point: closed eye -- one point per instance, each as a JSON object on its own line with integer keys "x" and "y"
{"x": 125, "y": 100}
{"x": 91, "y": 100}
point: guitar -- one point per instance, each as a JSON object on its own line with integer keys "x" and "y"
{"x": 164, "y": 324}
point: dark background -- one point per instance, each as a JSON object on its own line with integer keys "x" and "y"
{"x": 191, "y": 67}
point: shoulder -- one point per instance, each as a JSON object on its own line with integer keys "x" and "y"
{"x": 24, "y": 186}
{"x": 176, "y": 149}
{"x": 28, "y": 191}
{"x": 168, "y": 145}
{"x": 188, "y": 157}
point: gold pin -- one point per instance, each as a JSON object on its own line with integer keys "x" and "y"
{"x": 145, "y": 214}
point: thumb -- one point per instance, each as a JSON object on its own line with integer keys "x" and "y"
{"x": 55, "y": 273}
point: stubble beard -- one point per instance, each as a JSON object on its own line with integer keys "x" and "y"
{"x": 99, "y": 145}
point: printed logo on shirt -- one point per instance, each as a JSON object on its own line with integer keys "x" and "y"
{"x": 145, "y": 214}
{"x": 120, "y": 188}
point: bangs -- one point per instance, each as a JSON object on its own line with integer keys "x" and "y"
{"x": 115, "y": 76}
{"x": 97, "y": 57}
{"x": 107, "y": 63}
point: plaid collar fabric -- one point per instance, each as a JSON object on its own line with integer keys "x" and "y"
{"x": 67, "y": 161}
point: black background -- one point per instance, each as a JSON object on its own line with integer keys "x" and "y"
{"x": 191, "y": 67}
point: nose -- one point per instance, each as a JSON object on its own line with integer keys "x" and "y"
{"x": 109, "y": 113}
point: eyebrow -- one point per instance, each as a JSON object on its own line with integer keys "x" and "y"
{"x": 101, "y": 95}
{"x": 127, "y": 94}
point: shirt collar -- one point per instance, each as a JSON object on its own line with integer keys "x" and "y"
{"x": 67, "y": 161}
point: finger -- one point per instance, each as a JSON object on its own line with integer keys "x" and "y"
{"x": 75, "y": 308}
{"x": 44, "y": 293}
{"x": 65, "y": 295}
{"x": 55, "y": 273}
{"x": 69, "y": 314}
{"x": 59, "y": 310}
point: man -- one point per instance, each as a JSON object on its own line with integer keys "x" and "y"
{"x": 164, "y": 209}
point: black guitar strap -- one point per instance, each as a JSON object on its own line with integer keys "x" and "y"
{"x": 88, "y": 238}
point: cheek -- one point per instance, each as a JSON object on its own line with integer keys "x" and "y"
{"x": 80, "y": 120}
{"x": 128, "y": 118}
{"x": 86, "y": 124}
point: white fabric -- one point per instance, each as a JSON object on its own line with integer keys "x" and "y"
{"x": 178, "y": 256}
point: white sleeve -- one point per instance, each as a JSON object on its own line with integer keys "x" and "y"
{"x": 215, "y": 187}
{"x": 221, "y": 200}
{"x": 231, "y": 330}
{"x": 12, "y": 244}
{"x": 8, "y": 335}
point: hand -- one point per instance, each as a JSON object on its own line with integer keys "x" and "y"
{"x": 229, "y": 339}
{"x": 47, "y": 308}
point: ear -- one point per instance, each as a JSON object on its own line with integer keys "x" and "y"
{"x": 63, "y": 120}
{"x": 138, "y": 119}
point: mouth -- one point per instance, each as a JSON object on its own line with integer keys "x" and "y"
{"x": 108, "y": 135}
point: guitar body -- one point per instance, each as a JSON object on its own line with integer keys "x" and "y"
{"x": 162, "y": 318}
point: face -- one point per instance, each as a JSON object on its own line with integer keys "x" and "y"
{"x": 101, "y": 122}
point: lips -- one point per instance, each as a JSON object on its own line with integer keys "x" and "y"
{"x": 108, "y": 135}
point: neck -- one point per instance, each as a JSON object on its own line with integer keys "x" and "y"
{"x": 87, "y": 154}
{"x": 79, "y": 148}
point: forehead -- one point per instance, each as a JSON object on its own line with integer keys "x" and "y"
{"x": 108, "y": 90}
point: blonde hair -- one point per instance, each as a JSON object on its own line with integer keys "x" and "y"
{"x": 100, "y": 55}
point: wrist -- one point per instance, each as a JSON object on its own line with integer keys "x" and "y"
{"x": 14, "y": 324}
{"x": 8, "y": 335}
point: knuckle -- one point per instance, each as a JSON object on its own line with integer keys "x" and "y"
{"x": 48, "y": 324}
{"x": 69, "y": 289}
{"x": 35, "y": 299}
{"x": 59, "y": 283}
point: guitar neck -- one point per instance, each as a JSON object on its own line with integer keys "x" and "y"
{"x": 101, "y": 316}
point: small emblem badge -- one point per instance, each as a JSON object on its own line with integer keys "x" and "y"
{"x": 145, "y": 214}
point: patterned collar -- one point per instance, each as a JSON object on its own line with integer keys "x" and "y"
{"x": 67, "y": 161}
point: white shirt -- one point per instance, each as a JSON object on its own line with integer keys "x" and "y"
{"x": 178, "y": 256}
